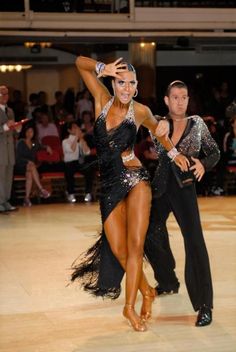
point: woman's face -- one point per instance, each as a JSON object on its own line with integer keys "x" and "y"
{"x": 29, "y": 134}
{"x": 125, "y": 87}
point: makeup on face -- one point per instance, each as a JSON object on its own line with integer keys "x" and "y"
{"x": 123, "y": 83}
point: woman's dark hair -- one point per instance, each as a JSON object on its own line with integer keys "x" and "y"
{"x": 25, "y": 129}
{"x": 130, "y": 67}
{"x": 70, "y": 124}
{"x": 175, "y": 84}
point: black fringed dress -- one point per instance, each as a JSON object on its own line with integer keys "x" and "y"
{"x": 98, "y": 271}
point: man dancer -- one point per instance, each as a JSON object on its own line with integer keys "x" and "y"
{"x": 170, "y": 193}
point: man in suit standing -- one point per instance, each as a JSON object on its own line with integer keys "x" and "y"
{"x": 7, "y": 151}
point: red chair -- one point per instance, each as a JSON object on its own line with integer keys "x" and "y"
{"x": 55, "y": 143}
{"x": 57, "y": 154}
{"x": 44, "y": 156}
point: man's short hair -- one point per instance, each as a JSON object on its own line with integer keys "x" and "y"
{"x": 175, "y": 84}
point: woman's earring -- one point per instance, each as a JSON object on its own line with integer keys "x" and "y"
{"x": 136, "y": 93}
{"x": 114, "y": 90}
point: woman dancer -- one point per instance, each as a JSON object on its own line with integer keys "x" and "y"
{"x": 125, "y": 191}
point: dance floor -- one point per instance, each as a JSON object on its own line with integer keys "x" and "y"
{"x": 40, "y": 313}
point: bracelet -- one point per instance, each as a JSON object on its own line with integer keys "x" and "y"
{"x": 172, "y": 154}
{"x": 100, "y": 66}
{"x": 128, "y": 157}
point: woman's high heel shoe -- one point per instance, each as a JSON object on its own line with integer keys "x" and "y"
{"x": 133, "y": 319}
{"x": 148, "y": 298}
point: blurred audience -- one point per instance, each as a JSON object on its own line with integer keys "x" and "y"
{"x": 18, "y": 105}
{"x": 57, "y": 109}
{"x": 33, "y": 104}
{"x": 230, "y": 143}
{"x": 215, "y": 104}
{"x": 45, "y": 127}
{"x": 69, "y": 101}
{"x": 84, "y": 103}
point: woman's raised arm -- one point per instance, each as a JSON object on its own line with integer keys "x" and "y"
{"x": 90, "y": 71}
{"x": 87, "y": 69}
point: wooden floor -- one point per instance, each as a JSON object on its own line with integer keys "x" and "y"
{"x": 40, "y": 314}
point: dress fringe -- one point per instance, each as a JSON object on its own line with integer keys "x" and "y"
{"x": 89, "y": 274}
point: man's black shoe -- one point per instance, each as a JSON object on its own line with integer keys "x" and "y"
{"x": 164, "y": 291}
{"x": 204, "y": 316}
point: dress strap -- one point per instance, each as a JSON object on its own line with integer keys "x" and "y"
{"x": 107, "y": 107}
{"x": 130, "y": 113}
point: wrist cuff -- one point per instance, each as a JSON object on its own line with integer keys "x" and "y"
{"x": 172, "y": 154}
{"x": 100, "y": 66}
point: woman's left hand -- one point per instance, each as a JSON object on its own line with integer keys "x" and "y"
{"x": 197, "y": 168}
{"x": 181, "y": 161}
{"x": 162, "y": 129}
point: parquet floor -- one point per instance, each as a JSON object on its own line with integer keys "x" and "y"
{"x": 39, "y": 313}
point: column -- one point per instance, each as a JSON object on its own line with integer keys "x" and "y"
{"x": 143, "y": 57}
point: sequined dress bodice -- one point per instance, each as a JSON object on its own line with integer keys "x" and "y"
{"x": 116, "y": 178}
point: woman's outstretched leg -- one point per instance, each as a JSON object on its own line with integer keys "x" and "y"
{"x": 115, "y": 228}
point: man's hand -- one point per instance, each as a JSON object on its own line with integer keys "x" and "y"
{"x": 10, "y": 123}
{"x": 197, "y": 168}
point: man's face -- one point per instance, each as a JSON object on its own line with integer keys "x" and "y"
{"x": 3, "y": 95}
{"x": 177, "y": 101}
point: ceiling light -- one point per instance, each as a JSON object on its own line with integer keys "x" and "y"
{"x": 12, "y": 68}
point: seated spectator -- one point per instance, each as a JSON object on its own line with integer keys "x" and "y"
{"x": 58, "y": 110}
{"x": 45, "y": 127}
{"x": 87, "y": 122}
{"x": 34, "y": 103}
{"x": 230, "y": 143}
{"x": 26, "y": 151}
{"x": 84, "y": 103}
{"x": 75, "y": 151}
{"x": 43, "y": 103}
{"x": 69, "y": 100}
{"x": 69, "y": 117}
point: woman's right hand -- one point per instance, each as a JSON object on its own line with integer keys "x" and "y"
{"x": 182, "y": 162}
{"x": 113, "y": 69}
